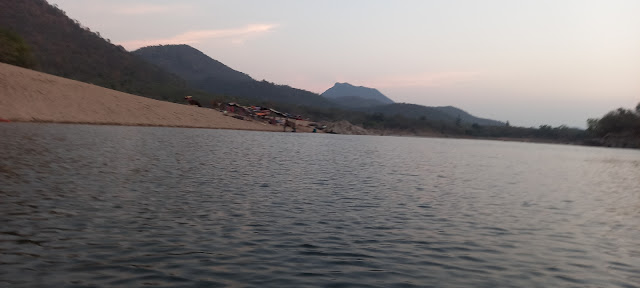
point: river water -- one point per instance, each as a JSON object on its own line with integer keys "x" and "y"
{"x": 109, "y": 206}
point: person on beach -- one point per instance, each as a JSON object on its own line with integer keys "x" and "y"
{"x": 192, "y": 101}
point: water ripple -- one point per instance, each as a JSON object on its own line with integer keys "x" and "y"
{"x": 85, "y": 206}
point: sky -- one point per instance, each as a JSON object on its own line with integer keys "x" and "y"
{"x": 530, "y": 63}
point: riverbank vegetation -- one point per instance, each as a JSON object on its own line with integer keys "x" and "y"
{"x": 618, "y": 128}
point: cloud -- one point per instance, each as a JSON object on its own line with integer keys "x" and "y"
{"x": 237, "y": 36}
{"x": 144, "y": 9}
{"x": 438, "y": 79}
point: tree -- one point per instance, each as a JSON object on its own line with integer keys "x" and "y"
{"x": 378, "y": 117}
{"x": 592, "y": 125}
{"x": 617, "y": 122}
{"x": 14, "y": 51}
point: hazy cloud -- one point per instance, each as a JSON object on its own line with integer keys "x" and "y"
{"x": 236, "y": 36}
{"x": 145, "y": 8}
{"x": 426, "y": 80}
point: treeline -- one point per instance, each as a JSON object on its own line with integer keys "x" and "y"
{"x": 398, "y": 123}
{"x": 380, "y": 121}
{"x": 560, "y": 133}
{"x": 619, "y": 122}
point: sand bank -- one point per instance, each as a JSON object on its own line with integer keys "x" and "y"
{"x": 30, "y": 96}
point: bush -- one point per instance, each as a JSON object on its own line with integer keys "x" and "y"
{"x": 14, "y": 51}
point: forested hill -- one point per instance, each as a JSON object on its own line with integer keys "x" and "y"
{"x": 63, "y": 47}
{"x": 203, "y": 72}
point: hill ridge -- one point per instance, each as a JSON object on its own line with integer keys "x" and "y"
{"x": 215, "y": 77}
{"x": 341, "y": 90}
{"x": 189, "y": 62}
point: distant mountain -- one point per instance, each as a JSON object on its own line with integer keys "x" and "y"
{"x": 356, "y": 96}
{"x": 447, "y": 114}
{"x": 203, "y": 72}
{"x": 370, "y": 100}
{"x": 63, "y": 47}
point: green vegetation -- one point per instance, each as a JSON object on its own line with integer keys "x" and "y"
{"x": 14, "y": 51}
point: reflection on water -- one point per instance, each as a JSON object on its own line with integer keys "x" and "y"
{"x": 133, "y": 206}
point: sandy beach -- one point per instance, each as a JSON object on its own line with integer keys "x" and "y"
{"x": 30, "y": 96}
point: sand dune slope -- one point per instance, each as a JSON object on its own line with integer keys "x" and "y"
{"x": 30, "y": 96}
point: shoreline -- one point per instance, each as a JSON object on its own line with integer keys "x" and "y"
{"x": 520, "y": 140}
{"x": 36, "y": 97}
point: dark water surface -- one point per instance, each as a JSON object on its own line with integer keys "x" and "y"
{"x": 85, "y": 206}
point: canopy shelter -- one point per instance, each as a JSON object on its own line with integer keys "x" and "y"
{"x": 279, "y": 113}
